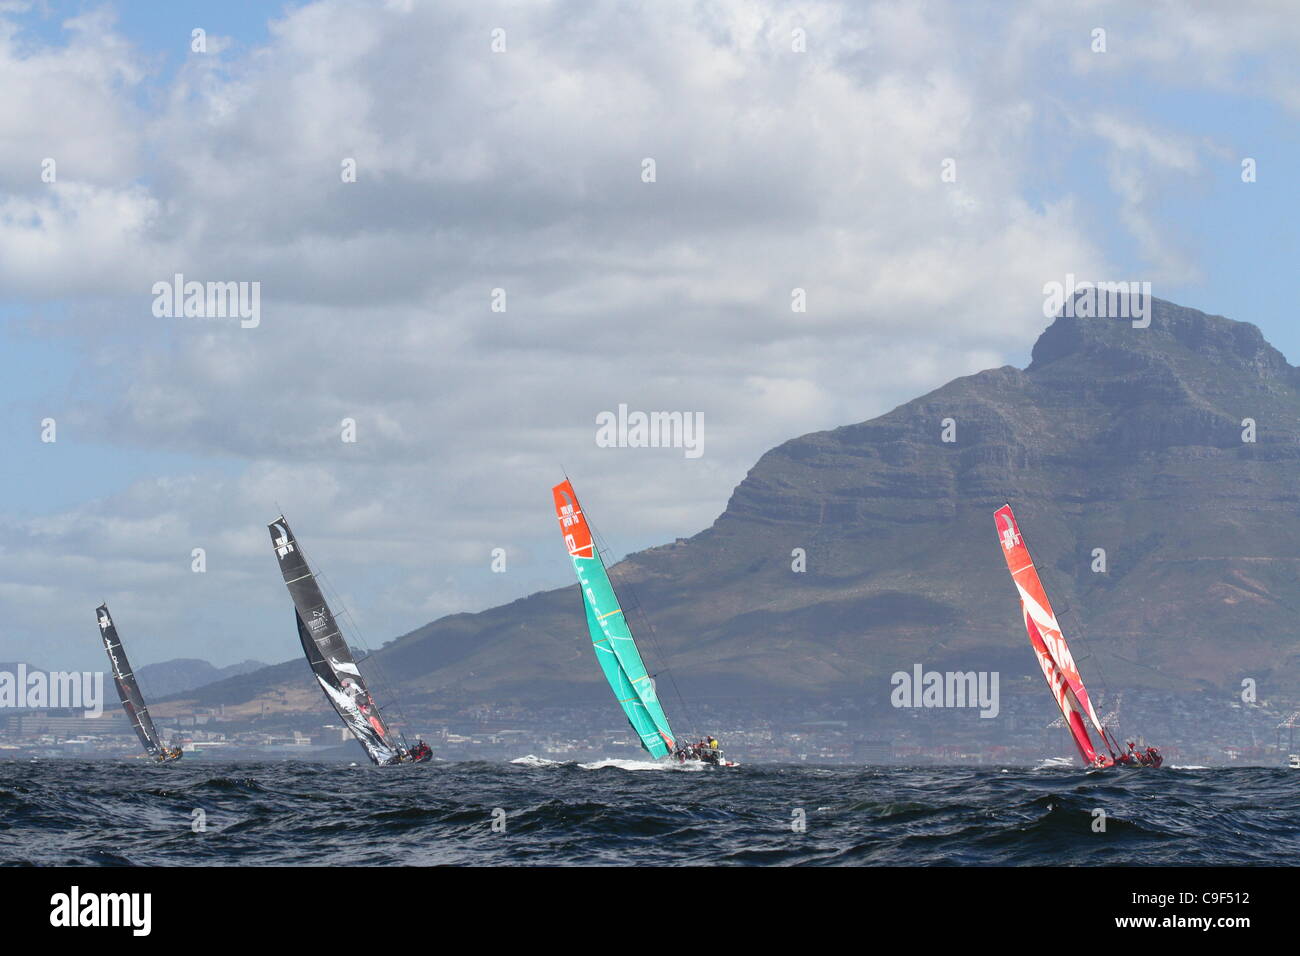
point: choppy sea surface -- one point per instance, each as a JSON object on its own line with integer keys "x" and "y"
{"x": 626, "y": 813}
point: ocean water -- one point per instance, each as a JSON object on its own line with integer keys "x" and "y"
{"x": 634, "y": 813}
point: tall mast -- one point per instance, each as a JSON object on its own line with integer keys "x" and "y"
{"x": 327, "y": 652}
{"x": 1047, "y": 640}
{"x": 611, "y": 637}
{"x": 127, "y": 687}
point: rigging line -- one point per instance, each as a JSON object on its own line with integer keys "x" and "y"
{"x": 388, "y": 688}
{"x": 1039, "y": 569}
{"x": 336, "y": 600}
{"x": 644, "y": 617}
{"x": 1006, "y": 500}
{"x": 1081, "y": 632}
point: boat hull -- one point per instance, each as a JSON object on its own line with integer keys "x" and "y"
{"x": 709, "y": 760}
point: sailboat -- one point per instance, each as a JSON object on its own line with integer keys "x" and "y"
{"x": 129, "y": 691}
{"x": 1055, "y": 659}
{"x": 331, "y": 660}
{"x": 612, "y": 640}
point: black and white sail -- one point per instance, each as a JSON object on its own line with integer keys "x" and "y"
{"x": 127, "y": 688}
{"x": 327, "y": 652}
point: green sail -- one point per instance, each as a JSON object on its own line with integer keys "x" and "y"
{"x": 619, "y": 657}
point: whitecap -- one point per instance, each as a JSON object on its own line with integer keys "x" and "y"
{"x": 643, "y": 765}
{"x": 531, "y": 760}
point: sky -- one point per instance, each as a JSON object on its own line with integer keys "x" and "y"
{"x": 503, "y": 147}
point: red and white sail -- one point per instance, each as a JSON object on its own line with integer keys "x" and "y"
{"x": 1049, "y": 644}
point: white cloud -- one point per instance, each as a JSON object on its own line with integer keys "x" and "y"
{"x": 519, "y": 170}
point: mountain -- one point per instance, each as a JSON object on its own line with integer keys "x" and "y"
{"x": 11, "y": 667}
{"x": 186, "y": 673}
{"x": 1117, "y": 438}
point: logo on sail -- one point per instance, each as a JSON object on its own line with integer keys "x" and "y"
{"x": 1009, "y": 536}
{"x": 571, "y": 524}
{"x": 282, "y": 546}
{"x": 1055, "y": 679}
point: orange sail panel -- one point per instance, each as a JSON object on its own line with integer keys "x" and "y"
{"x": 1049, "y": 644}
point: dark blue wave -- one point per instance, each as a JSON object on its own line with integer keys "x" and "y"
{"x": 123, "y": 813}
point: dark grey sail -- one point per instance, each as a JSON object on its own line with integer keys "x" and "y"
{"x": 327, "y": 652}
{"x": 127, "y": 688}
